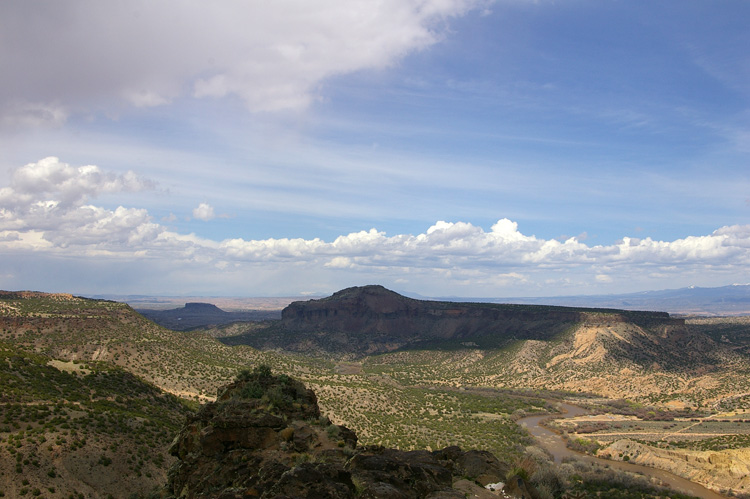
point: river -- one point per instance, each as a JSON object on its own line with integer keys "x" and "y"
{"x": 555, "y": 444}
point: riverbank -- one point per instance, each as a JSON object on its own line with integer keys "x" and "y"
{"x": 555, "y": 445}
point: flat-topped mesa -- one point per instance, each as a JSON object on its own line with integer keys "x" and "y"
{"x": 202, "y": 307}
{"x": 376, "y": 313}
{"x": 197, "y": 315}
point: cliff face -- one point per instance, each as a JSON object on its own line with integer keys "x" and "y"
{"x": 264, "y": 437}
{"x": 372, "y": 319}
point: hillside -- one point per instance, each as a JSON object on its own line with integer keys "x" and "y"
{"x": 640, "y": 355}
{"x": 616, "y": 361}
{"x": 427, "y": 394}
{"x": 70, "y": 328}
{"x": 81, "y": 428}
{"x": 264, "y": 437}
{"x": 194, "y": 365}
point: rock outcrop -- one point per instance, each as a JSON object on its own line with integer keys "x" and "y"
{"x": 264, "y": 437}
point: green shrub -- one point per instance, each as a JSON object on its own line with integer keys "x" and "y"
{"x": 278, "y": 398}
{"x": 333, "y": 431}
{"x": 517, "y": 471}
{"x": 252, "y": 390}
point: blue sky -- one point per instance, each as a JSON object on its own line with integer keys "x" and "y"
{"x": 440, "y": 147}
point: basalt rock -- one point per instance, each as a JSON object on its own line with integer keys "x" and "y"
{"x": 264, "y": 437}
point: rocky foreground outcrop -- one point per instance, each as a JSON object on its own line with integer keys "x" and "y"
{"x": 264, "y": 437}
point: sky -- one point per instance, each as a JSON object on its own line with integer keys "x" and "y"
{"x": 467, "y": 148}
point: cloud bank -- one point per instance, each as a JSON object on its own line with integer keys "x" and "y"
{"x": 271, "y": 55}
{"x": 47, "y": 212}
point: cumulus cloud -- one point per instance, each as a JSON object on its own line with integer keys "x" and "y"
{"x": 204, "y": 212}
{"x": 50, "y": 183}
{"x": 47, "y": 209}
{"x": 450, "y": 245}
{"x": 270, "y": 54}
{"x": 46, "y": 205}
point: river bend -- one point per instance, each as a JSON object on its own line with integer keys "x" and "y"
{"x": 555, "y": 444}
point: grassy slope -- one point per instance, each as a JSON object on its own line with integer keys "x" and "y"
{"x": 190, "y": 365}
{"x": 88, "y": 428}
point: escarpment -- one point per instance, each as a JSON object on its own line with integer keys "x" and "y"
{"x": 372, "y": 319}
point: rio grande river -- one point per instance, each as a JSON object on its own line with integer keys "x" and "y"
{"x": 555, "y": 444}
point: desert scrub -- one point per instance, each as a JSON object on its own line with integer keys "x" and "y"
{"x": 52, "y": 411}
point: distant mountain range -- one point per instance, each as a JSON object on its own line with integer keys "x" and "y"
{"x": 725, "y": 300}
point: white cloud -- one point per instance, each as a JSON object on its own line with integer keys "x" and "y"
{"x": 340, "y": 262}
{"x": 68, "y": 186}
{"x": 272, "y": 55}
{"x": 47, "y": 209}
{"x": 45, "y": 205}
{"x": 447, "y": 245}
{"x": 204, "y": 212}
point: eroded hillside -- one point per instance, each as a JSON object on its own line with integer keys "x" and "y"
{"x": 81, "y": 428}
{"x": 670, "y": 365}
{"x": 186, "y": 364}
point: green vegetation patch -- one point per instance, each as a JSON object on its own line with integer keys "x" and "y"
{"x": 103, "y": 417}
